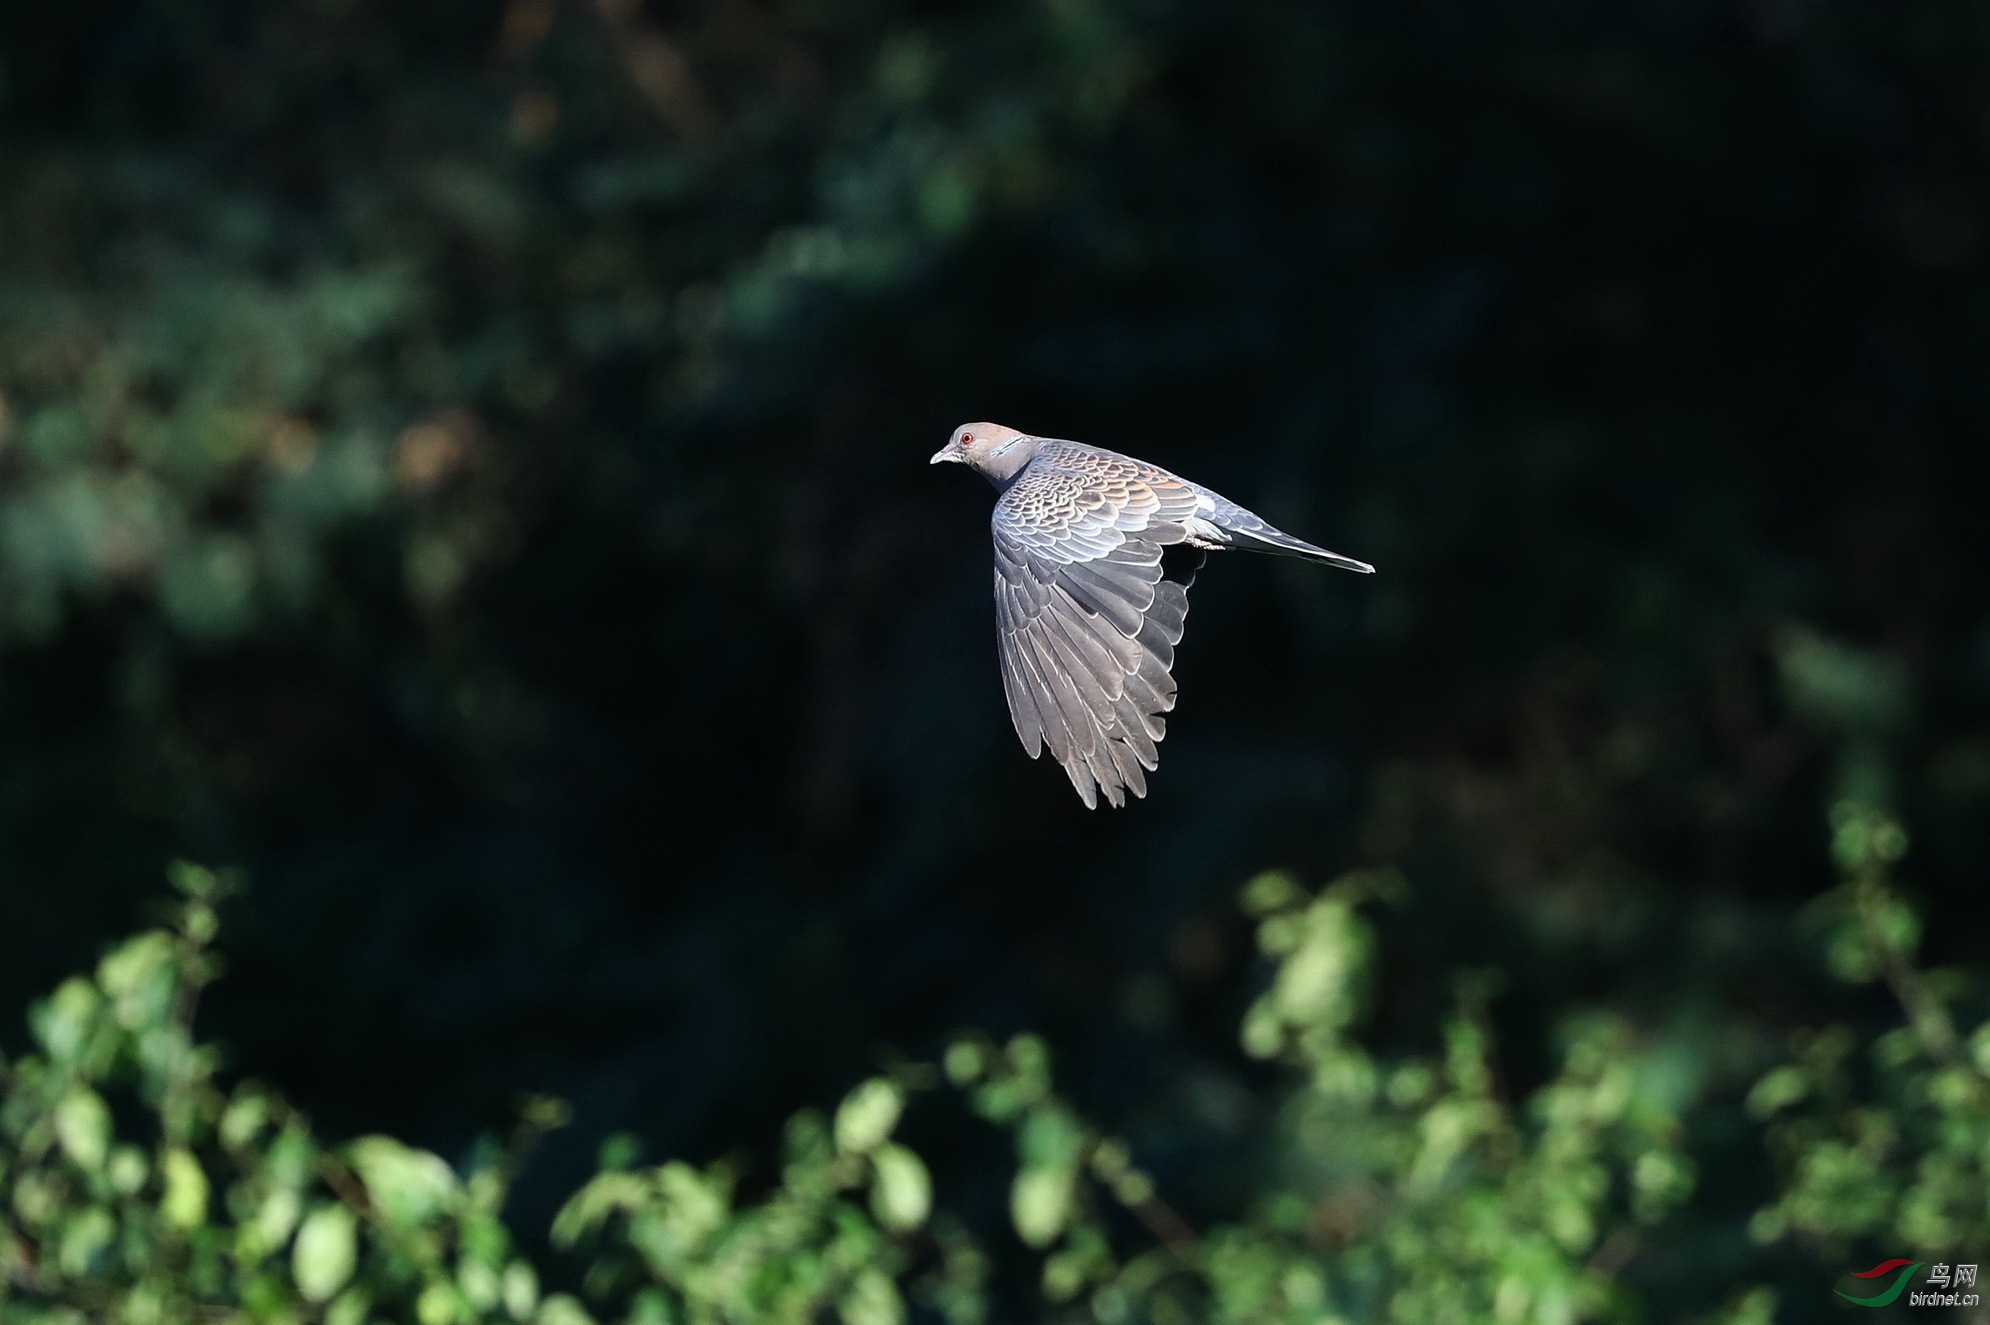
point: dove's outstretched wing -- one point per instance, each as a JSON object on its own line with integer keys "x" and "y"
{"x": 1087, "y": 618}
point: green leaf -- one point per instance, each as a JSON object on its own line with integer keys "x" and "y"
{"x": 196, "y": 881}
{"x": 1840, "y": 687}
{"x": 127, "y": 1169}
{"x": 619, "y": 1150}
{"x": 1050, "y": 1138}
{"x": 867, "y": 1115}
{"x": 520, "y": 1289}
{"x": 1029, "y": 1058}
{"x": 901, "y": 1190}
{"x": 244, "y": 1117}
{"x": 350, "y": 1309}
{"x": 271, "y": 1224}
{"x": 64, "y": 1021}
{"x": 587, "y": 1209}
{"x": 479, "y": 1284}
{"x": 1780, "y": 1088}
{"x": 1756, "y": 1306}
{"x": 407, "y": 1186}
{"x": 88, "y": 1234}
{"x": 872, "y": 1299}
{"x": 695, "y": 1203}
{"x": 139, "y": 977}
{"x": 1271, "y": 891}
{"x": 439, "y": 1304}
{"x": 650, "y": 1307}
{"x": 183, "y": 1203}
{"x": 965, "y": 1061}
{"x": 326, "y": 1250}
{"x": 83, "y": 1128}
{"x": 1040, "y": 1204}
{"x": 559, "y": 1309}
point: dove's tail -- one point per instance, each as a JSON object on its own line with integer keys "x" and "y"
{"x": 1225, "y": 524}
{"x": 1280, "y": 544}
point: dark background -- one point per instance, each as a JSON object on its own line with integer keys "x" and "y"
{"x": 465, "y": 465}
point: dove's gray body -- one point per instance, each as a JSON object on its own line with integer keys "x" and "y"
{"x": 1087, "y": 614}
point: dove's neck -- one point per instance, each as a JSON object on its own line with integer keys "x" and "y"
{"x": 1007, "y": 461}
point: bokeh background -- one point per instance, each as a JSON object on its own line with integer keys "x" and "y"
{"x": 464, "y": 465}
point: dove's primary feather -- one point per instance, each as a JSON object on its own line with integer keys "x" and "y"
{"x": 1088, "y": 614}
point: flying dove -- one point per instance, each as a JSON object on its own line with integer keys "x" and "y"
{"x": 1094, "y": 554}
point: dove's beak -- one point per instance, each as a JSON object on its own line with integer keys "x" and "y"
{"x": 945, "y": 453}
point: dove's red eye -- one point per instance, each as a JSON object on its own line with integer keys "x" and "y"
{"x": 967, "y": 439}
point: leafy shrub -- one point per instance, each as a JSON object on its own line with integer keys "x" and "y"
{"x": 144, "y": 1188}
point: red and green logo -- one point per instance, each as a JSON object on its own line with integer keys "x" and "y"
{"x": 1886, "y": 1297}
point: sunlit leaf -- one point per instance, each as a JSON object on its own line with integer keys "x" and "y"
{"x": 871, "y": 1299}
{"x": 83, "y": 1126}
{"x": 183, "y": 1202}
{"x": 865, "y": 1118}
{"x": 325, "y": 1252}
{"x": 560, "y": 1309}
{"x": 407, "y": 1186}
{"x": 520, "y": 1289}
{"x": 63, "y": 1021}
{"x": 1040, "y": 1204}
{"x": 901, "y": 1191}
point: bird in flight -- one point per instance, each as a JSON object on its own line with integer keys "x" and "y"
{"x": 1094, "y": 554}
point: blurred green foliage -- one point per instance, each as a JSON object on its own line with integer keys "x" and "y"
{"x": 180, "y": 1199}
{"x": 461, "y": 463}
{"x": 142, "y": 1188}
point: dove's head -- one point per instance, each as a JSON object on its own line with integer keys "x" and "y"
{"x": 989, "y": 449}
